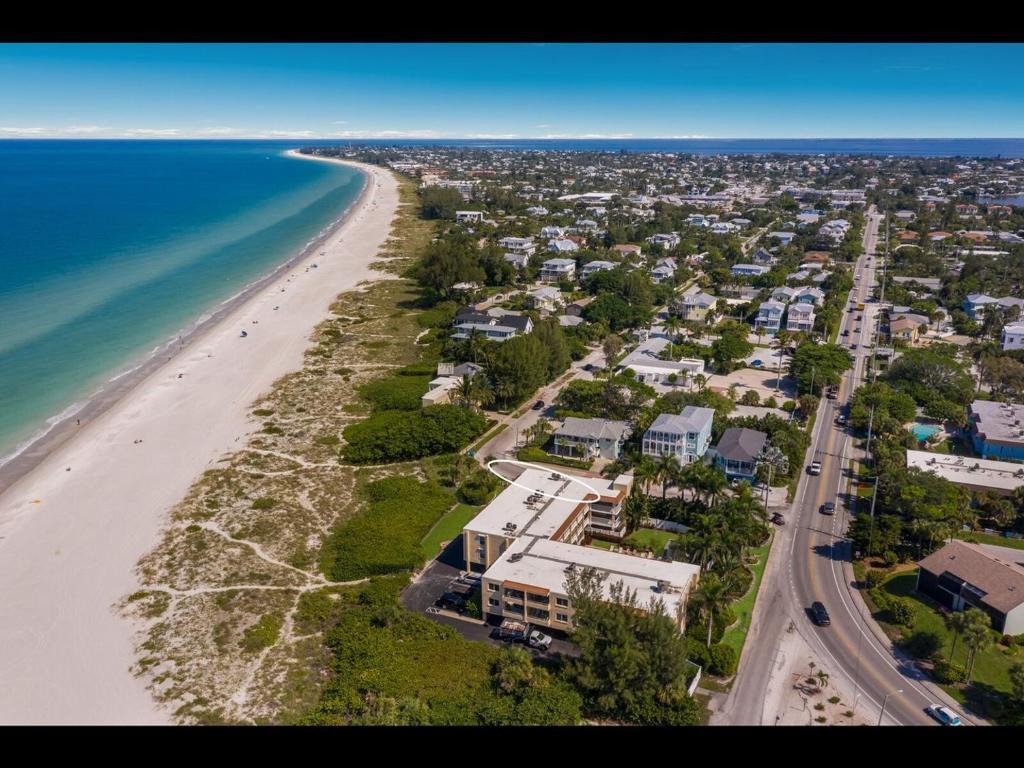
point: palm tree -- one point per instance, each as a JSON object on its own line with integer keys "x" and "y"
{"x": 665, "y": 473}
{"x": 475, "y": 343}
{"x": 822, "y": 677}
{"x": 465, "y": 391}
{"x": 671, "y": 326}
{"x": 645, "y": 470}
{"x": 956, "y": 622}
{"x": 709, "y": 598}
{"x": 712, "y": 483}
{"x": 700, "y": 380}
{"x": 977, "y": 637}
{"x": 634, "y": 510}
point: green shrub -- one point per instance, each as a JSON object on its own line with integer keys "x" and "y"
{"x": 263, "y": 412}
{"x": 789, "y": 406}
{"x": 879, "y": 598}
{"x": 698, "y": 652}
{"x": 901, "y": 611}
{"x": 264, "y": 503}
{"x": 396, "y": 392}
{"x": 874, "y": 578}
{"x": 722, "y": 660}
{"x": 923, "y": 644}
{"x": 479, "y": 488}
{"x": 262, "y": 634}
{"x": 385, "y": 538}
{"x": 948, "y": 672}
{"x": 890, "y": 558}
{"x": 391, "y": 436}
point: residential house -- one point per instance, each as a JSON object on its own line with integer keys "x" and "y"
{"x": 906, "y": 327}
{"x": 1013, "y": 336}
{"x": 748, "y": 270}
{"x": 468, "y": 217}
{"x": 490, "y": 327}
{"x": 663, "y": 270}
{"x": 648, "y": 367}
{"x": 907, "y": 216}
{"x": 761, "y": 256}
{"x": 783, "y": 237}
{"x": 627, "y": 250}
{"x": 517, "y": 260}
{"x": 529, "y": 539}
{"x": 552, "y": 232}
{"x": 769, "y": 317}
{"x": 575, "y": 308}
{"x": 810, "y": 295}
{"x": 449, "y": 377}
{"x": 546, "y": 298}
{"x": 668, "y": 241}
{"x": 997, "y": 429}
{"x": 565, "y": 245}
{"x": 593, "y": 267}
{"x": 800, "y": 318}
{"x": 695, "y": 306}
{"x": 784, "y": 294}
{"x": 686, "y": 436}
{"x": 963, "y": 575}
{"x": 806, "y": 219}
{"x": 518, "y": 245}
{"x": 537, "y": 210}
{"x": 556, "y": 270}
{"x": 591, "y": 438}
{"x": 738, "y": 452}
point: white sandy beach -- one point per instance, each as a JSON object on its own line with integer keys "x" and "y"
{"x": 71, "y": 539}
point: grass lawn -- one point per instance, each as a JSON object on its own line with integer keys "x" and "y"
{"x": 447, "y": 528}
{"x": 992, "y": 665}
{"x": 744, "y": 607}
{"x": 645, "y": 538}
{"x": 988, "y": 538}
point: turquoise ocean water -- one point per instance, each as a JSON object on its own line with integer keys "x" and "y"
{"x": 109, "y": 249}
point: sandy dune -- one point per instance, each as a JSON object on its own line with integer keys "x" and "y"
{"x": 71, "y": 539}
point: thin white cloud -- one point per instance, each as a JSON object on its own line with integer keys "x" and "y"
{"x": 286, "y": 135}
{"x": 365, "y": 134}
{"x": 341, "y": 122}
{"x": 587, "y": 136}
{"x": 219, "y": 130}
{"x": 13, "y": 131}
{"x": 492, "y": 136}
{"x": 78, "y": 130}
{"x": 544, "y": 125}
{"x": 132, "y": 132}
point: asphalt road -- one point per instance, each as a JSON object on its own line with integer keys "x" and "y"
{"x": 811, "y": 561}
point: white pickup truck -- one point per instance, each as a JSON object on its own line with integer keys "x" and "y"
{"x": 519, "y": 631}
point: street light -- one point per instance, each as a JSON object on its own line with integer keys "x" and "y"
{"x": 884, "y": 701}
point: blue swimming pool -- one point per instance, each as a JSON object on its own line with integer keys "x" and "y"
{"x": 923, "y": 431}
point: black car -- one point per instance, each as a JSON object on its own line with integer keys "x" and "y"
{"x": 588, "y": 367}
{"x": 778, "y": 519}
{"x": 820, "y": 615}
{"x": 453, "y": 601}
{"x": 539, "y": 405}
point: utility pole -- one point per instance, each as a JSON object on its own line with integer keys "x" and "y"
{"x": 884, "y": 702}
{"x": 871, "y": 525}
{"x": 871, "y": 419}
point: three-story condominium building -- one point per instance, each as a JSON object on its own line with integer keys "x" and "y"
{"x": 800, "y": 318}
{"x": 685, "y": 436}
{"x": 769, "y": 317}
{"x": 556, "y": 270}
{"x": 494, "y": 328}
{"x": 530, "y": 539}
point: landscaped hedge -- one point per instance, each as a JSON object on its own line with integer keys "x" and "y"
{"x": 534, "y": 454}
{"x": 948, "y": 672}
{"x": 386, "y": 537}
{"x": 390, "y": 436}
{"x": 723, "y": 660}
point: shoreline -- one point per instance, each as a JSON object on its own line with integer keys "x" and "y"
{"x": 62, "y": 426}
{"x": 74, "y": 526}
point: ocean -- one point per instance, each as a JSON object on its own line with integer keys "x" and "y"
{"x": 110, "y": 249}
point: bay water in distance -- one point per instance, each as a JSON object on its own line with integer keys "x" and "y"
{"x": 109, "y": 249}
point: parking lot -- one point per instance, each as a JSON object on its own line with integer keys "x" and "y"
{"x": 761, "y": 381}
{"x": 445, "y": 575}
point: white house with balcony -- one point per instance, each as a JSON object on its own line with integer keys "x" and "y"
{"x": 556, "y": 270}
{"x": 518, "y": 245}
{"x": 686, "y": 436}
{"x": 491, "y": 327}
{"x": 784, "y": 294}
{"x": 801, "y": 318}
{"x": 769, "y": 317}
{"x": 810, "y": 295}
{"x": 469, "y": 217}
{"x": 749, "y": 270}
{"x": 593, "y": 267}
{"x": 562, "y": 246}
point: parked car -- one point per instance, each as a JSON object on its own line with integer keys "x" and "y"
{"x": 944, "y": 715}
{"x": 539, "y": 405}
{"x": 815, "y": 468}
{"x": 588, "y": 367}
{"x": 539, "y": 640}
{"x": 453, "y": 601}
{"x": 853, "y": 346}
{"x": 841, "y": 420}
{"x": 778, "y": 519}
{"x": 819, "y": 614}
{"x": 828, "y": 508}
{"x": 756, "y": 363}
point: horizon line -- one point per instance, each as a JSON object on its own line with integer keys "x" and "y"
{"x": 513, "y": 138}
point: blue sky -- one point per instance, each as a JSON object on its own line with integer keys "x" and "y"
{"x": 511, "y": 91}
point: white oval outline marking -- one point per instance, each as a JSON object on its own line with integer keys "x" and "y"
{"x": 567, "y": 476}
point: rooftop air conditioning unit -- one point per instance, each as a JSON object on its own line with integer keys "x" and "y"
{"x": 976, "y": 466}
{"x": 515, "y": 557}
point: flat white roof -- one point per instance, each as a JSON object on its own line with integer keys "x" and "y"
{"x": 1002, "y": 475}
{"x": 540, "y": 518}
{"x": 543, "y": 564}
